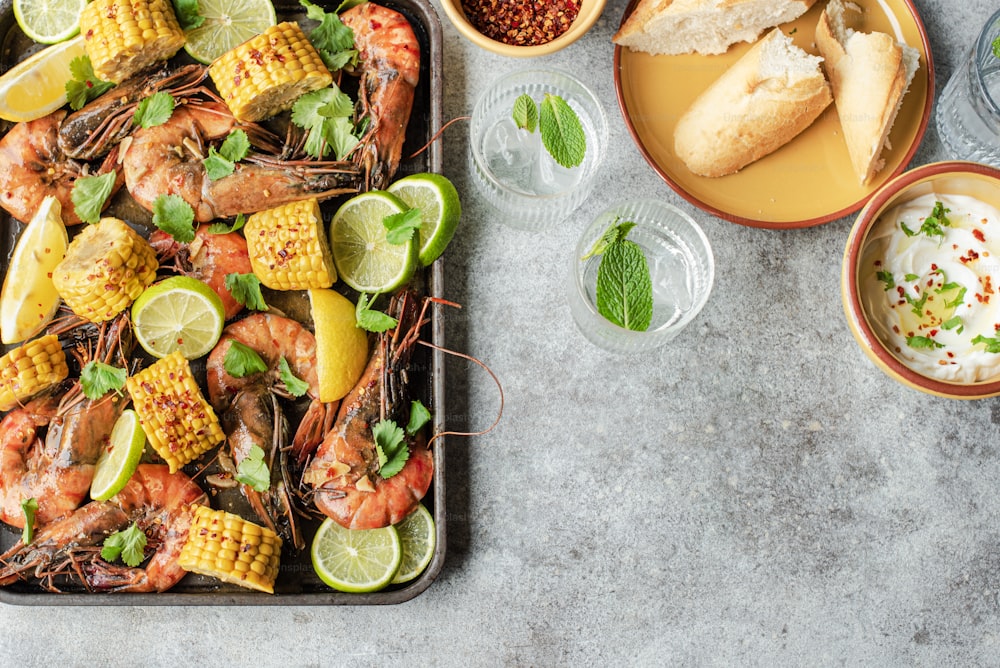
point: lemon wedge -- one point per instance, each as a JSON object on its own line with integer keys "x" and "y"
{"x": 37, "y": 86}
{"x": 341, "y": 346}
{"x": 28, "y": 300}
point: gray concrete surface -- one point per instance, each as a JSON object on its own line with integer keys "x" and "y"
{"x": 756, "y": 493}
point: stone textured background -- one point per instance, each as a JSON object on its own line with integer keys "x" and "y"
{"x": 755, "y": 493}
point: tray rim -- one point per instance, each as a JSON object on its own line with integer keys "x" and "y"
{"x": 432, "y": 24}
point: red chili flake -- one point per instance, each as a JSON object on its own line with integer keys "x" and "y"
{"x": 978, "y": 234}
{"x": 933, "y": 332}
{"x": 521, "y": 22}
{"x": 950, "y": 354}
{"x": 933, "y": 266}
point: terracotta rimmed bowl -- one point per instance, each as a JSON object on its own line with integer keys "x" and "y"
{"x": 949, "y": 178}
{"x": 590, "y": 11}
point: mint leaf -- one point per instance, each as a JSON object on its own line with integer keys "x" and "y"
{"x": 992, "y": 344}
{"x": 391, "y": 447}
{"x": 525, "y": 113}
{"x": 400, "y": 227}
{"x": 562, "y": 132}
{"x": 245, "y": 288}
{"x": 419, "y": 416}
{"x": 175, "y": 217}
{"x": 29, "y": 507}
{"x": 188, "y": 14}
{"x": 84, "y": 86}
{"x": 89, "y": 195}
{"x": 241, "y": 360}
{"x": 369, "y": 319}
{"x": 128, "y": 544}
{"x": 98, "y": 378}
{"x": 295, "y": 385}
{"x": 624, "y": 286}
{"x": 996, "y": 47}
{"x": 154, "y": 110}
{"x": 616, "y": 232}
{"x": 252, "y": 471}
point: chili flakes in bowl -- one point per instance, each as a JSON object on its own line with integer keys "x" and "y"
{"x": 521, "y": 22}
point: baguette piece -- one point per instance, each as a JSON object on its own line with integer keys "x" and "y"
{"x": 767, "y": 97}
{"x": 870, "y": 73}
{"x": 704, "y": 26}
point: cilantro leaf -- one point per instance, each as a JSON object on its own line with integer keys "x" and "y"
{"x": 129, "y": 544}
{"x": 90, "y": 194}
{"x": 98, "y": 378}
{"x": 241, "y": 360}
{"x": 252, "y": 471}
{"x": 959, "y": 298}
{"x": 624, "y": 286}
{"x": 216, "y": 166}
{"x": 369, "y": 319}
{"x": 245, "y": 288}
{"x": 295, "y": 386}
{"x": 923, "y": 342}
{"x": 222, "y": 228}
{"x": 84, "y": 86}
{"x": 400, "y": 227}
{"x": 562, "y": 132}
{"x": 174, "y": 216}
{"x": 326, "y": 114}
{"x": 188, "y": 14}
{"x": 906, "y": 230}
{"x": 952, "y": 323}
{"x": 333, "y": 40}
{"x": 154, "y": 110}
{"x": 911, "y": 277}
{"x": 29, "y": 507}
{"x": 886, "y": 278}
{"x": 992, "y": 343}
{"x": 235, "y": 146}
{"x": 419, "y": 416}
{"x": 917, "y": 304}
{"x": 525, "y": 113}
{"x": 391, "y": 447}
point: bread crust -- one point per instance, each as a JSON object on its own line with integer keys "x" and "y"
{"x": 750, "y": 111}
{"x": 869, "y": 77}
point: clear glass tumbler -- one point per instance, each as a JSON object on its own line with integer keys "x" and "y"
{"x": 511, "y": 168}
{"x": 681, "y": 266}
{"x": 968, "y": 111}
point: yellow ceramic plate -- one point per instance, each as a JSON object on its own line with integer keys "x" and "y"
{"x": 809, "y": 181}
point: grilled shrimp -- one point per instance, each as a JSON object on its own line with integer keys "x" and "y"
{"x": 389, "y": 65}
{"x": 159, "y": 502}
{"x": 250, "y": 413}
{"x": 34, "y": 167}
{"x": 344, "y": 475}
{"x": 167, "y": 159}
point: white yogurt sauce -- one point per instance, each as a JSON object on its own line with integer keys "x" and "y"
{"x": 931, "y": 290}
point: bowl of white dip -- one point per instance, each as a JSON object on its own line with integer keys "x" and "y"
{"x": 921, "y": 279}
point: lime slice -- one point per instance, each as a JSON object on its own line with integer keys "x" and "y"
{"x": 439, "y": 206}
{"x": 355, "y": 560}
{"x": 36, "y": 86}
{"x": 228, "y": 23}
{"x": 118, "y": 462}
{"x": 29, "y": 300}
{"x": 49, "y": 21}
{"x": 416, "y": 533}
{"x": 178, "y": 313}
{"x": 365, "y": 259}
{"x": 341, "y": 346}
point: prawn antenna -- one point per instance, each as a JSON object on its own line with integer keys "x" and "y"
{"x": 437, "y": 135}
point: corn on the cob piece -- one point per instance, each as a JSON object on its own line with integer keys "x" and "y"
{"x": 225, "y": 546}
{"x": 288, "y": 248}
{"x": 179, "y": 424}
{"x": 31, "y": 368}
{"x": 268, "y": 72}
{"x": 105, "y": 268}
{"x": 122, "y": 37}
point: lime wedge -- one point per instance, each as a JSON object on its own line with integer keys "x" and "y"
{"x": 36, "y": 86}
{"x": 417, "y": 535}
{"x": 178, "y": 313}
{"x": 228, "y": 23}
{"x": 365, "y": 259}
{"x": 49, "y": 21}
{"x": 440, "y": 210}
{"x": 29, "y": 300}
{"x": 341, "y": 346}
{"x": 118, "y": 462}
{"x": 355, "y": 560}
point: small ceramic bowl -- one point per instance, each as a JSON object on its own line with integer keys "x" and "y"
{"x": 862, "y": 284}
{"x": 590, "y": 11}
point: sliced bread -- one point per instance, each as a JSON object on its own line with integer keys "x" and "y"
{"x": 870, "y": 73}
{"x": 702, "y": 26}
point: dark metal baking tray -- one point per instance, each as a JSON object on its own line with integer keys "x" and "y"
{"x": 297, "y": 583}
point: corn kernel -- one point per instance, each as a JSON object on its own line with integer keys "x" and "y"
{"x": 31, "y": 368}
{"x": 288, "y": 247}
{"x": 122, "y": 37}
{"x": 215, "y": 535}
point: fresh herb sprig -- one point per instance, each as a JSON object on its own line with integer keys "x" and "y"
{"x": 326, "y": 116}
{"x": 129, "y": 544}
{"x": 245, "y": 288}
{"x": 624, "y": 283}
{"x": 932, "y": 224}
{"x": 89, "y": 195}
{"x": 222, "y": 162}
{"x": 252, "y": 470}
{"x": 29, "y": 507}
{"x": 98, "y": 378}
{"x": 562, "y": 132}
{"x": 84, "y": 86}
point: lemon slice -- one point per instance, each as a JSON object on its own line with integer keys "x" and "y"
{"x": 178, "y": 313}
{"x": 118, "y": 462}
{"x": 365, "y": 259}
{"x": 440, "y": 210}
{"x": 29, "y": 300}
{"x": 341, "y": 346}
{"x": 228, "y": 23}
{"x": 49, "y": 21}
{"x": 355, "y": 560}
{"x": 37, "y": 86}
{"x": 416, "y": 533}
